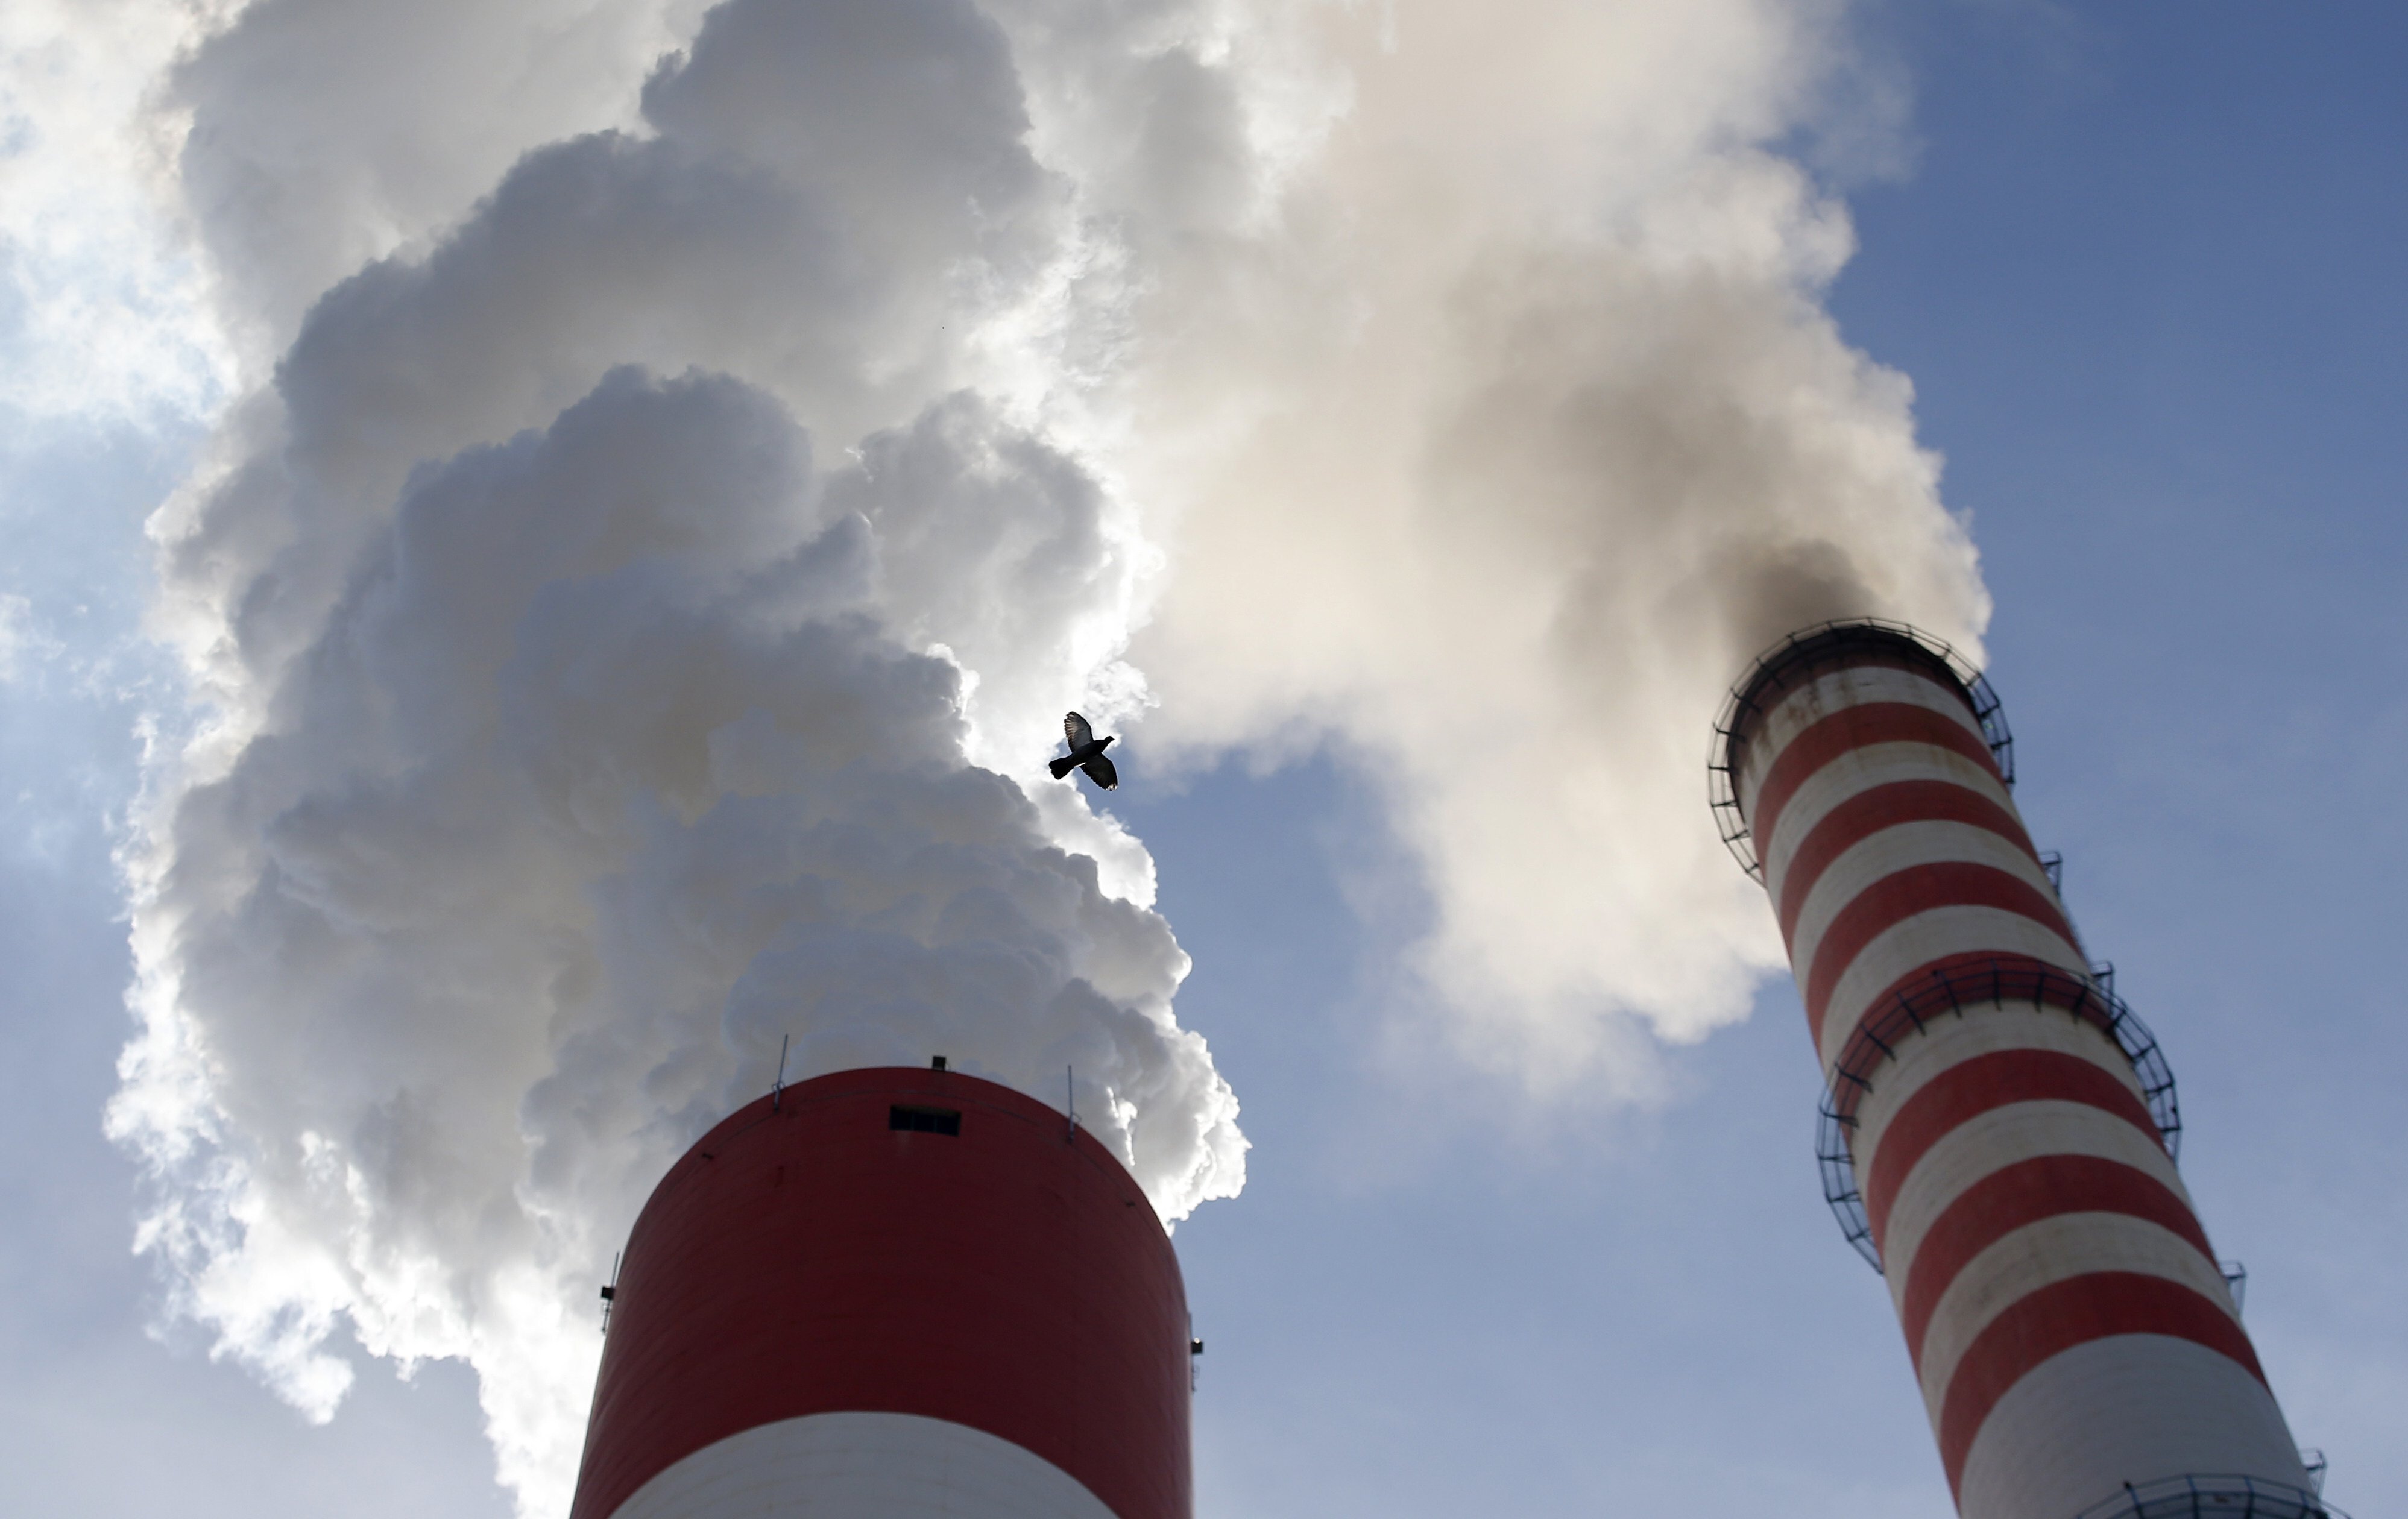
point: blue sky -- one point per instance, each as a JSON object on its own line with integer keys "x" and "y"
{"x": 2141, "y": 267}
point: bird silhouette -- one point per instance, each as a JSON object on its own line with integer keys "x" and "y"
{"x": 1086, "y": 754}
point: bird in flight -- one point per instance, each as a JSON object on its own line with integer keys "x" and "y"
{"x": 1086, "y": 754}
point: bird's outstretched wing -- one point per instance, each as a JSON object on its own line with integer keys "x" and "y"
{"x": 1074, "y": 728}
{"x": 1100, "y": 771}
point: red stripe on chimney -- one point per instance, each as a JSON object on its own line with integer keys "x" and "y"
{"x": 1828, "y": 738}
{"x": 1975, "y": 1086}
{"x": 2007, "y": 1199}
{"x": 1903, "y": 895}
{"x": 2062, "y": 1315}
{"x": 1870, "y": 811}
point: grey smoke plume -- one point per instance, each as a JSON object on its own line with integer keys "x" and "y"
{"x": 686, "y": 489}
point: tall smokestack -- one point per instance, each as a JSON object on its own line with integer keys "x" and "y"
{"x": 894, "y": 1293}
{"x": 1999, "y": 1130}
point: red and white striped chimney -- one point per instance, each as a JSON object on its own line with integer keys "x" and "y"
{"x": 1999, "y": 1128}
{"x": 894, "y": 1294}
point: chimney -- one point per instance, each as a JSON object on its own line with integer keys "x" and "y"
{"x": 896, "y": 1292}
{"x": 1998, "y": 1129}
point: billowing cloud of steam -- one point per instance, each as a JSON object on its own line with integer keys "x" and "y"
{"x": 681, "y": 494}
{"x": 1494, "y": 448}
{"x": 621, "y": 619}
{"x": 604, "y": 774}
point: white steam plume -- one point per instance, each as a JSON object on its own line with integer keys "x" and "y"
{"x": 687, "y": 490}
{"x": 607, "y": 615}
{"x": 1492, "y": 443}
